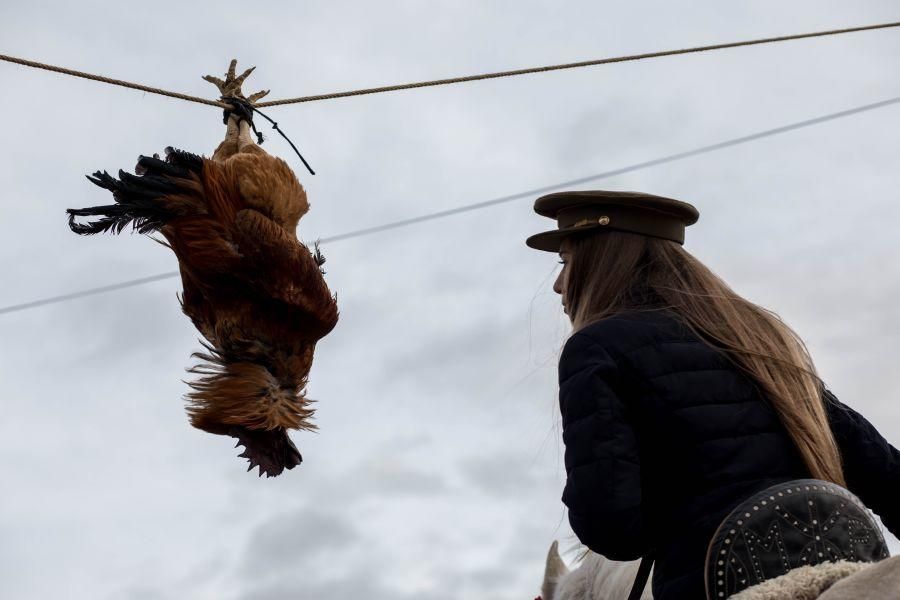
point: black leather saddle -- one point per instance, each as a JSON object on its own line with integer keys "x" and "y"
{"x": 789, "y": 525}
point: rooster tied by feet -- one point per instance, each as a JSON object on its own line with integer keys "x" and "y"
{"x": 252, "y": 289}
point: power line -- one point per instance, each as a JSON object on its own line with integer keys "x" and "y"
{"x": 576, "y": 65}
{"x": 634, "y": 167}
{"x": 89, "y": 292}
{"x": 503, "y": 199}
{"x": 436, "y": 82}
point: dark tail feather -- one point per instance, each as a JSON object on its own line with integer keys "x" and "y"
{"x": 135, "y": 205}
{"x": 104, "y": 180}
{"x": 115, "y": 218}
{"x": 139, "y": 198}
{"x": 152, "y": 185}
{"x": 177, "y": 163}
{"x": 151, "y": 165}
{"x": 270, "y": 450}
{"x": 180, "y": 158}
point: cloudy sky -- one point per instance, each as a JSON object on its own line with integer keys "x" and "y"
{"x": 437, "y": 470}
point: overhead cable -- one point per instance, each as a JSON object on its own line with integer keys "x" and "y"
{"x": 575, "y": 65}
{"x": 503, "y": 199}
{"x": 436, "y": 82}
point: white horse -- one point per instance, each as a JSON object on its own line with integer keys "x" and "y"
{"x": 596, "y": 578}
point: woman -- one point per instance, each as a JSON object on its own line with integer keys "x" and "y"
{"x": 679, "y": 398}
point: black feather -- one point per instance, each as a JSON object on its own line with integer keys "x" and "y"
{"x": 270, "y": 450}
{"x": 181, "y": 158}
{"x": 319, "y": 257}
{"x": 153, "y": 183}
{"x": 149, "y": 165}
{"x": 138, "y": 200}
{"x": 104, "y": 180}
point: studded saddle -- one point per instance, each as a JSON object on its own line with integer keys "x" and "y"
{"x": 789, "y": 525}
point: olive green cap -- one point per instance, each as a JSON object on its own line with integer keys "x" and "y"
{"x": 604, "y": 210}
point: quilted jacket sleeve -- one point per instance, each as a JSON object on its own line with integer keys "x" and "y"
{"x": 871, "y": 464}
{"x": 603, "y": 473}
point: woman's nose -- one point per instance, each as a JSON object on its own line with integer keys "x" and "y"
{"x": 557, "y": 285}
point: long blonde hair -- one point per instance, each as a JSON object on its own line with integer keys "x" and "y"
{"x": 616, "y": 271}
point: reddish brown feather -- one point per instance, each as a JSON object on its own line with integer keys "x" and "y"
{"x": 251, "y": 288}
{"x": 255, "y": 292}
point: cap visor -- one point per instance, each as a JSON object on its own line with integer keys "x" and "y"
{"x": 548, "y": 241}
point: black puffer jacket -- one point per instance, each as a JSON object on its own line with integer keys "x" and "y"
{"x": 664, "y": 436}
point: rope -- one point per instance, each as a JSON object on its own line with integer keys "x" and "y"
{"x": 588, "y": 63}
{"x": 436, "y": 82}
{"x": 504, "y": 199}
{"x": 109, "y": 80}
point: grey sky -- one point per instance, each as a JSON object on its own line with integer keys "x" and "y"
{"x": 437, "y": 470}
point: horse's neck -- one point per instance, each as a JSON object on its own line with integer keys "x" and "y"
{"x": 598, "y": 578}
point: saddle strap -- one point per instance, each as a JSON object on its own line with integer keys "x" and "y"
{"x": 640, "y": 580}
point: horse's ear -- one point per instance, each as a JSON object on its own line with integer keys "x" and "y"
{"x": 554, "y": 570}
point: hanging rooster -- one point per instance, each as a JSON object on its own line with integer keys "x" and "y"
{"x": 250, "y": 287}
